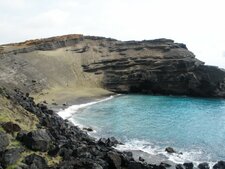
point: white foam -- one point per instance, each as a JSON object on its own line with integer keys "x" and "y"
{"x": 68, "y": 112}
{"x": 135, "y": 144}
{"x": 152, "y": 149}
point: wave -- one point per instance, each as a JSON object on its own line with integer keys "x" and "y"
{"x": 68, "y": 112}
{"x": 193, "y": 155}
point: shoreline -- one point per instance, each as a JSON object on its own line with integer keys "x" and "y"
{"x": 150, "y": 158}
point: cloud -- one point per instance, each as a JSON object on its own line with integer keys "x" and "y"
{"x": 188, "y": 21}
{"x": 51, "y": 18}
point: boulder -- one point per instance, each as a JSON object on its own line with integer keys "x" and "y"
{"x": 180, "y": 166}
{"x": 38, "y": 140}
{"x": 11, "y": 127}
{"x": 88, "y": 129}
{"x": 11, "y": 156}
{"x": 114, "y": 160}
{"x": 188, "y": 165}
{"x": 35, "y": 162}
{"x": 203, "y": 166}
{"x": 4, "y": 141}
{"x": 164, "y": 164}
{"x": 108, "y": 142}
{"x": 20, "y": 135}
{"x": 219, "y": 165}
{"x": 138, "y": 165}
{"x": 170, "y": 150}
{"x": 141, "y": 159}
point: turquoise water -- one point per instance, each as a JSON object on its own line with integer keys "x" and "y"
{"x": 194, "y": 126}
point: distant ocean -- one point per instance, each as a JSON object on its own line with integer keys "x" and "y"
{"x": 193, "y": 126}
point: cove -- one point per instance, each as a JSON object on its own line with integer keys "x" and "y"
{"x": 194, "y": 126}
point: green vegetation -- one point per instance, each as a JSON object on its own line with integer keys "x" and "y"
{"x": 9, "y": 112}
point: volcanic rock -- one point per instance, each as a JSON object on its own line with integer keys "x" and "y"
{"x": 38, "y": 140}
{"x": 203, "y": 166}
{"x": 219, "y": 165}
{"x": 10, "y": 127}
{"x": 4, "y": 141}
{"x": 35, "y": 162}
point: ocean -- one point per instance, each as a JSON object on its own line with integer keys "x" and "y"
{"x": 193, "y": 126}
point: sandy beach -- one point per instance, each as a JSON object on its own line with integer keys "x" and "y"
{"x": 60, "y": 97}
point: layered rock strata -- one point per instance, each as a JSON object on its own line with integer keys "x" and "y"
{"x": 151, "y": 66}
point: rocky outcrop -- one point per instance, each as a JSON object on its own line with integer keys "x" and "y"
{"x": 37, "y": 140}
{"x": 158, "y": 66}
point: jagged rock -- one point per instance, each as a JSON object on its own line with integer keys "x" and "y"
{"x": 38, "y": 140}
{"x": 88, "y": 129}
{"x": 20, "y": 135}
{"x": 114, "y": 160}
{"x": 170, "y": 150}
{"x": 136, "y": 165}
{"x": 4, "y": 141}
{"x": 164, "y": 164}
{"x": 180, "y": 166}
{"x": 141, "y": 159}
{"x": 109, "y": 142}
{"x": 203, "y": 166}
{"x": 219, "y": 165}
{"x": 188, "y": 165}
{"x": 11, "y": 156}
{"x": 11, "y": 127}
{"x": 35, "y": 162}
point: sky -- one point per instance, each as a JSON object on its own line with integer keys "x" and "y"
{"x": 200, "y": 24}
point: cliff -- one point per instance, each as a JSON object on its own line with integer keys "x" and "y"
{"x": 77, "y": 66}
{"x": 76, "y": 62}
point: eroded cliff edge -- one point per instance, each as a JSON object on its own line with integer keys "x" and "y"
{"x": 76, "y": 62}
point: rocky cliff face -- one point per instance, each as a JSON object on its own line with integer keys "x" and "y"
{"x": 156, "y": 66}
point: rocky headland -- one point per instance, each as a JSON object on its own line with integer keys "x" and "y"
{"x": 38, "y": 74}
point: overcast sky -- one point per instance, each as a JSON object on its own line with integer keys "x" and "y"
{"x": 198, "y": 23}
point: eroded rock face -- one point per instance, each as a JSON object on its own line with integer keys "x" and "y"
{"x": 152, "y": 66}
{"x": 159, "y": 67}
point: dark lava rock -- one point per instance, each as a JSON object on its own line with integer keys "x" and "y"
{"x": 114, "y": 160}
{"x": 4, "y": 141}
{"x": 88, "y": 129}
{"x": 10, "y": 127}
{"x": 109, "y": 142}
{"x": 136, "y": 165}
{"x": 180, "y": 166}
{"x": 11, "y": 156}
{"x": 219, "y": 165}
{"x": 20, "y": 135}
{"x": 188, "y": 165}
{"x": 35, "y": 162}
{"x": 170, "y": 150}
{"x": 38, "y": 140}
{"x": 203, "y": 166}
{"x": 141, "y": 159}
{"x": 164, "y": 164}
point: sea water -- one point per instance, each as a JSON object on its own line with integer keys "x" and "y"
{"x": 193, "y": 126}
